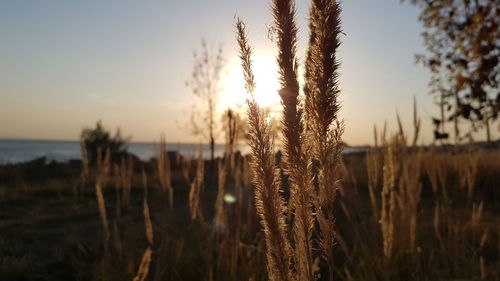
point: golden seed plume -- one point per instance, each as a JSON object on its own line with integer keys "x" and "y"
{"x": 296, "y": 161}
{"x": 269, "y": 204}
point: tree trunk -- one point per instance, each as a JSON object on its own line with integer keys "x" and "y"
{"x": 488, "y": 133}
{"x": 455, "y": 120}
{"x": 212, "y": 149}
{"x": 441, "y": 107}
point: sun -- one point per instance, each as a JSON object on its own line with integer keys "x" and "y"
{"x": 233, "y": 94}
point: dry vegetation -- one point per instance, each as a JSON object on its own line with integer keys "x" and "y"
{"x": 432, "y": 215}
{"x": 395, "y": 212}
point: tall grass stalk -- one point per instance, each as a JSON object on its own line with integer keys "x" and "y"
{"x": 103, "y": 167}
{"x": 220, "y": 217}
{"x": 295, "y": 158}
{"x": 164, "y": 172}
{"x": 118, "y": 182}
{"x": 85, "y": 173}
{"x": 388, "y": 204}
{"x": 410, "y": 189}
{"x": 468, "y": 168}
{"x": 142, "y": 272}
{"x": 324, "y": 131}
{"x": 195, "y": 190}
{"x": 125, "y": 176}
{"x": 147, "y": 221}
{"x": 186, "y": 169}
{"x": 416, "y": 123}
{"x": 374, "y": 170}
{"x": 269, "y": 203}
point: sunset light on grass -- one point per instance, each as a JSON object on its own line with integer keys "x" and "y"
{"x": 233, "y": 140}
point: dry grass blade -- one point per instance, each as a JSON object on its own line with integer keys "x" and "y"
{"x": 142, "y": 272}
{"x": 103, "y": 167}
{"x": 321, "y": 106}
{"x": 102, "y": 211}
{"x": 300, "y": 179}
{"x": 85, "y": 173}
{"x": 383, "y": 136}
{"x": 245, "y": 54}
{"x": 321, "y": 83}
{"x": 164, "y": 172}
{"x": 477, "y": 212}
{"x": 388, "y": 204}
{"x": 416, "y": 123}
{"x": 286, "y": 35}
{"x": 373, "y": 171}
{"x": 147, "y": 221}
{"x": 468, "y": 173}
{"x": 401, "y": 131}
{"x": 219, "y": 218}
{"x": 85, "y": 159}
{"x": 186, "y": 168}
{"x": 436, "y": 222}
{"x": 195, "y": 190}
{"x": 144, "y": 177}
{"x": 269, "y": 204}
{"x": 410, "y": 189}
{"x": 126, "y": 174}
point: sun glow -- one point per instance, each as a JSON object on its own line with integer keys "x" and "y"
{"x": 233, "y": 94}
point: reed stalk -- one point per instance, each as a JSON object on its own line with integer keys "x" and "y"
{"x": 103, "y": 167}
{"x": 373, "y": 172}
{"x": 147, "y": 221}
{"x": 164, "y": 172}
{"x": 220, "y": 217}
{"x": 295, "y": 158}
{"x": 126, "y": 174}
{"x": 118, "y": 189}
{"x": 468, "y": 169}
{"x": 324, "y": 131}
{"x": 186, "y": 169}
{"x": 388, "y": 204}
{"x": 195, "y": 190}
{"x": 268, "y": 201}
{"x": 410, "y": 189}
{"x": 142, "y": 272}
{"x": 416, "y": 123}
{"x": 85, "y": 173}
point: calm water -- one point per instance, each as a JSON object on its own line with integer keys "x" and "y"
{"x": 17, "y": 151}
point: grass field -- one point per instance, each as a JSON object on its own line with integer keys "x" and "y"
{"x": 50, "y": 233}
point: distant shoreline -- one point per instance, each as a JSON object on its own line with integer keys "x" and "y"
{"x": 16, "y": 151}
{"x": 23, "y": 151}
{"x": 360, "y": 147}
{"x": 76, "y": 140}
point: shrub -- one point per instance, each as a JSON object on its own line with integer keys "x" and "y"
{"x": 100, "y": 138}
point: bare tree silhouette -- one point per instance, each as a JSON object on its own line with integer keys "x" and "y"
{"x": 204, "y": 81}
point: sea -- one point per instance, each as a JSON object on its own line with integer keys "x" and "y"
{"x": 19, "y": 151}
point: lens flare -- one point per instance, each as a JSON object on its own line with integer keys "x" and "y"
{"x": 229, "y": 198}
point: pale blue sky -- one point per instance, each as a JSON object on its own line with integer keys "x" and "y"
{"x": 64, "y": 64}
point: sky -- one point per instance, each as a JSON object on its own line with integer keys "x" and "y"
{"x": 65, "y": 64}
